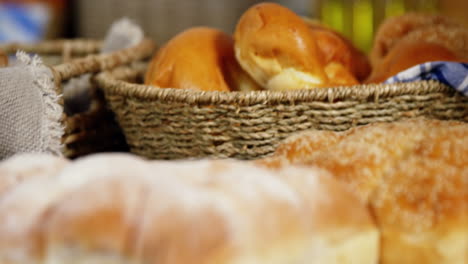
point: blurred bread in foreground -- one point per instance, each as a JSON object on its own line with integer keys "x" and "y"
{"x": 118, "y": 208}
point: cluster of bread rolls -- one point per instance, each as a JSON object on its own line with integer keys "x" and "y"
{"x": 412, "y": 174}
{"x": 273, "y": 48}
{"x": 117, "y": 208}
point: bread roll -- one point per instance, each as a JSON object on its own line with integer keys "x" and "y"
{"x": 120, "y": 209}
{"x": 454, "y": 38}
{"x": 424, "y": 44}
{"x": 411, "y": 173}
{"x": 201, "y": 59}
{"x": 3, "y": 59}
{"x": 406, "y": 54}
{"x": 359, "y": 157}
{"x": 396, "y": 28}
{"x": 422, "y": 210}
{"x": 277, "y": 48}
{"x": 338, "y": 49}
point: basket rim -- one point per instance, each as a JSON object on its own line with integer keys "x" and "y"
{"x": 114, "y": 83}
{"x": 77, "y": 46}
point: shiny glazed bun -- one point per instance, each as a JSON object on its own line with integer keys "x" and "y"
{"x": 276, "y": 47}
{"x": 395, "y": 28}
{"x": 200, "y": 59}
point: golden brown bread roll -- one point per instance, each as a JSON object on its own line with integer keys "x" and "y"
{"x": 338, "y": 49}
{"x": 406, "y": 54}
{"x": 3, "y": 59}
{"x": 425, "y": 44}
{"x": 199, "y": 58}
{"x": 412, "y": 174}
{"x": 276, "y": 47}
{"x": 120, "y": 209}
{"x": 454, "y": 38}
{"x": 396, "y": 28}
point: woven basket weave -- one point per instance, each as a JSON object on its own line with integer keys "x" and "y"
{"x": 94, "y": 130}
{"x": 175, "y": 123}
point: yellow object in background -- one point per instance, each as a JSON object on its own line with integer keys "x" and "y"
{"x": 360, "y": 19}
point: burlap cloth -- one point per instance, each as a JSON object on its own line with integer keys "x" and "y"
{"x": 30, "y": 113}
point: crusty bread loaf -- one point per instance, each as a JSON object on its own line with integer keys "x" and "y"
{"x": 406, "y": 54}
{"x": 117, "y": 208}
{"x": 412, "y": 39}
{"x": 395, "y": 28}
{"x": 199, "y": 58}
{"x": 412, "y": 174}
{"x": 454, "y": 38}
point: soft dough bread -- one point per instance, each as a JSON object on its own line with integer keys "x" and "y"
{"x": 413, "y": 175}
{"x": 120, "y": 209}
{"x": 199, "y": 58}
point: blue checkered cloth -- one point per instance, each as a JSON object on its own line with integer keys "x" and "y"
{"x": 453, "y": 74}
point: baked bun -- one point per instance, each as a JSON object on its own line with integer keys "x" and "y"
{"x": 411, "y": 173}
{"x": 338, "y": 49}
{"x": 454, "y": 38}
{"x": 276, "y": 47}
{"x": 3, "y": 59}
{"x": 396, "y": 28}
{"x": 406, "y": 54}
{"x": 201, "y": 59}
{"x": 122, "y": 209}
{"x": 424, "y": 44}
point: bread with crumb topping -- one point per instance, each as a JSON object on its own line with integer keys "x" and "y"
{"x": 411, "y": 173}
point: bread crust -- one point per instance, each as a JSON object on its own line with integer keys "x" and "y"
{"x": 199, "y": 58}
{"x": 122, "y": 209}
{"x": 338, "y": 49}
{"x": 277, "y": 48}
{"x": 411, "y": 173}
{"x": 396, "y": 28}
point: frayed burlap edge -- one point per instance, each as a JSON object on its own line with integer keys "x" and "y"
{"x": 51, "y": 129}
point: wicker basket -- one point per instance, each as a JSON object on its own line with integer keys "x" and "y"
{"x": 94, "y": 130}
{"x": 175, "y": 123}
